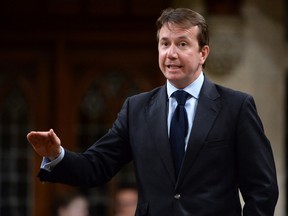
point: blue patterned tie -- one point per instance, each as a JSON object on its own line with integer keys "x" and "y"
{"x": 179, "y": 129}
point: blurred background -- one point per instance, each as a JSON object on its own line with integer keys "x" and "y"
{"x": 70, "y": 64}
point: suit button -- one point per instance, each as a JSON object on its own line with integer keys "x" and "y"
{"x": 177, "y": 196}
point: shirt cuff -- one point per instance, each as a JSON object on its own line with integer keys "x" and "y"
{"x": 49, "y": 165}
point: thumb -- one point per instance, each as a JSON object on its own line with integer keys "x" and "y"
{"x": 54, "y": 137}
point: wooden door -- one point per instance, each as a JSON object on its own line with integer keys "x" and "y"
{"x": 68, "y": 67}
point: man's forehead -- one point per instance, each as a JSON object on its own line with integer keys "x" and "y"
{"x": 179, "y": 26}
{"x": 180, "y": 31}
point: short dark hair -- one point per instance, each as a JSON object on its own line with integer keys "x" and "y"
{"x": 185, "y": 18}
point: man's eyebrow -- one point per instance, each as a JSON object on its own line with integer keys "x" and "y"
{"x": 179, "y": 38}
{"x": 163, "y": 38}
{"x": 183, "y": 37}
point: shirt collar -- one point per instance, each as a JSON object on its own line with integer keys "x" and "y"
{"x": 193, "y": 89}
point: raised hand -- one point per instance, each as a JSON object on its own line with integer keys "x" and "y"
{"x": 45, "y": 143}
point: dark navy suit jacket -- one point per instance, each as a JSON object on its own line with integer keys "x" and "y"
{"x": 227, "y": 152}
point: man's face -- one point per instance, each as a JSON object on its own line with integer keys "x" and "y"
{"x": 180, "y": 58}
{"x": 78, "y": 207}
{"x": 126, "y": 202}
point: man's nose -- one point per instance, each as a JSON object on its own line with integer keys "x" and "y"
{"x": 172, "y": 52}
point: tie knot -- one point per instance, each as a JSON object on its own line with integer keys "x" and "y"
{"x": 181, "y": 96}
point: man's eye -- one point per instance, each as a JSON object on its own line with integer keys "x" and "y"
{"x": 182, "y": 44}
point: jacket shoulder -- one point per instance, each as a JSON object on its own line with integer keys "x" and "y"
{"x": 232, "y": 93}
{"x": 148, "y": 96}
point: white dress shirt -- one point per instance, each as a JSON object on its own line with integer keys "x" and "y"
{"x": 191, "y": 103}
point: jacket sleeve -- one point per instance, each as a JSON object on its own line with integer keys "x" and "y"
{"x": 257, "y": 173}
{"x": 99, "y": 163}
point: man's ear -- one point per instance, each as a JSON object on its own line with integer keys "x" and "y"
{"x": 204, "y": 53}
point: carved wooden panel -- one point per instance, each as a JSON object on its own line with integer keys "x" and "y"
{"x": 63, "y": 56}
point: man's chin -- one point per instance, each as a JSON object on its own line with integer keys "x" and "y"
{"x": 173, "y": 75}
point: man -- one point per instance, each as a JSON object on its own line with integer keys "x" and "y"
{"x": 125, "y": 201}
{"x": 191, "y": 163}
{"x": 72, "y": 205}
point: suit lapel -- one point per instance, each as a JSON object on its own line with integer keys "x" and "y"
{"x": 156, "y": 113}
{"x": 207, "y": 110}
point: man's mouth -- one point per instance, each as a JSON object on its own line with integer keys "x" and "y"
{"x": 174, "y": 66}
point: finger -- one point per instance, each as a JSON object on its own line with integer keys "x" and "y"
{"x": 28, "y": 136}
{"x": 31, "y": 137}
{"x": 35, "y": 137}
